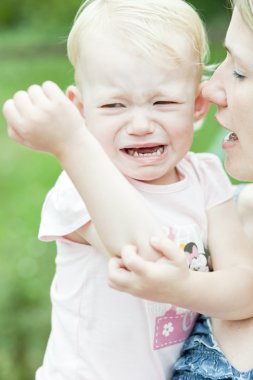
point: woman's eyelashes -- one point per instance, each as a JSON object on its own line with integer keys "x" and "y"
{"x": 238, "y": 75}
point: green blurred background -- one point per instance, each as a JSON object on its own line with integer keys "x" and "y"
{"x": 32, "y": 49}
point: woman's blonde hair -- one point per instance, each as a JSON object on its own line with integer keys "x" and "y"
{"x": 245, "y": 7}
{"x": 148, "y": 25}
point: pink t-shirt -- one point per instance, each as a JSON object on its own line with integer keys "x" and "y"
{"x": 99, "y": 333}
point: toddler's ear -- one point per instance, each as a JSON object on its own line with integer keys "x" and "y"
{"x": 201, "y": 105}
{"x": 74, "y": 95}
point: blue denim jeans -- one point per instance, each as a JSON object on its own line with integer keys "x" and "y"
{"x": 202, "y": 359}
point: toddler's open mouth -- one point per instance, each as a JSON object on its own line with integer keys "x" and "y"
{"x": 150, "y": 151}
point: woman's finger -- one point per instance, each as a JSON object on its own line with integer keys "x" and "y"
{"x": 132, "y": 261}
{"x": 118, "y": 276}
{"x": 166, "y": 247}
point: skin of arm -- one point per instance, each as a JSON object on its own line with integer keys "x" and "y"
{"x": 44, "y": 119}
{"x": 245, "y": 209}
{"x": 41, "y": 119}
{"x": 225, "y": 293}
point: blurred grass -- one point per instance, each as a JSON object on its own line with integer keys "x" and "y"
{"x": 27, "y": 265}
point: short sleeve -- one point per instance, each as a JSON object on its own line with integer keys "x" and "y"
{"x": 213, "y": 178}
{"x": 63, "y": 211}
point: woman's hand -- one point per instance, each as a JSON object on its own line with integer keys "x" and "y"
{"x": 164, "y": 280}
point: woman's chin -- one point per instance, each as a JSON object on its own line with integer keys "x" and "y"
{"x": 239, "y": 170}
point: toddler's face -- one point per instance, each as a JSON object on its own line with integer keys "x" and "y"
{"x": 141, "y": 112}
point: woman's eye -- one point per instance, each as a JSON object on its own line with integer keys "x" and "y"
{"x": 238, "y": 75}
{"x": 113, "y": 105}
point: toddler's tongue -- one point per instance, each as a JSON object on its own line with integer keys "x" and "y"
{"x": 149, "y": 149}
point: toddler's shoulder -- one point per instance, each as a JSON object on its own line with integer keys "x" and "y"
{"x": 207, "y": 161}
{"x": 212, "y": 177}
{"x": 63, "y": 210}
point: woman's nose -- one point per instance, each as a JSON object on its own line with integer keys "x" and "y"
{"x": 214, "y": 91}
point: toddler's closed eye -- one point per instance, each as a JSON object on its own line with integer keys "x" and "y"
{"x": 113, "y": 105}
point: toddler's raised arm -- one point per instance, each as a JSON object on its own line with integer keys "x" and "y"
{"x": 44, "y": 119}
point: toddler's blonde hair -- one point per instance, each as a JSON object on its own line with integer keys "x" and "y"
{"x": 148, "y": 25}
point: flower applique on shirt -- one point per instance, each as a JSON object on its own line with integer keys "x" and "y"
{"x": 173, "y": 327}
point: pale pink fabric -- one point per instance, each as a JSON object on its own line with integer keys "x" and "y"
{"x": 99, "y": 333}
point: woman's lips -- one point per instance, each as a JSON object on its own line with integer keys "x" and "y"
{"x": 232, "y": 136}
{"x": 230, "y": 141}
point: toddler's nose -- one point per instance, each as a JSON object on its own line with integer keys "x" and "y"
{"x": 140, "y": 125}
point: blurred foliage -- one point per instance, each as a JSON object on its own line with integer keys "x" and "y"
{"x": 32, "y": 49}
{"x": 48, "y": 13}
{"x": 32, "y": 12}
{"x": 26, "y": 265}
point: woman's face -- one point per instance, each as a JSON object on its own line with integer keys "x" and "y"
{"x": 231, "y": 89}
